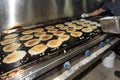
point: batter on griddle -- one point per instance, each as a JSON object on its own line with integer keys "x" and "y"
{"x": 14, "y": 57}
{"x": 46, "y": 37}
{"x": 11, "y": 36}
{"x": 11, "y": 47}
{"x": 26, "y": 37}
{"x": 27, "y": 32}
{"x": 59, "y": 25}
{"x": 64, "y": 37}
{"x": 52, "y": 30}
{"x": 70, "y": 29}
{"x": 32, "y": 42}
{"x": 8, "y": 41}
{"x": 39, "y": 34}
{"x": 54, "y": 43}
{"x": 59, "y": 33}
{"x": 76, "y": 34}
{"x": 38, "y": 49}
{"x": 87, "y": 30}
{"x": 64, "y": 28}
{"x": 49, "y": 27}
{"x": 38, "y": 30}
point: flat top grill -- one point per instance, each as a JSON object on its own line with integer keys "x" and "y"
{"x": 67, "y": 45}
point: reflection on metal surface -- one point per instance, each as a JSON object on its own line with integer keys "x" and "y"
{"x": 12, "y": 12}
{"x": 68, "y": 8}
{"x": 28, "y": 12}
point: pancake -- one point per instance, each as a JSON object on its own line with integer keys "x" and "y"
{"x": 14, "y": 57}
{"x": 11, "y": 47}
{"x": 27, "y": 32}
{"x": 38, "y": 49}
{"x": 8, "y": 41}
{"x": 54, "y": 43}
{"x": 49, "y": 27}
{"x": 32, "y": 42}
{"x": 38, "y": 30}
{"x": 46, "y": 37}
{"x": 64, "y": 37}
{"x": 59, "y": 33}
{"x": 70, "y": 30}
{"x": 80, "y": 23}
{"x": 52, "y": 30}
{"x": 87, "y": 25}
{"x": 72, "y": 25}
{"x": 39, "y": 34}
{"x": 26, "y": 37}
{"x": 93, "y": 27}
{"x": 10, "y": 36}
{"x": 68, "y": 23}
{"x": 59, "y": 25}
{"x": 76, "y": 34}
{"x": 64, "y": 28}
{"x": 87, "y": 30}
{"x": 78, "y": 27}
{"x": 75, "y": 21}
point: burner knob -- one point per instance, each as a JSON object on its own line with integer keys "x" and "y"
{"x": 108, "y": 41}
{"x": 87, "y": 53}
{"x": 102, "y": 44}
{"x": 67, "y": 65}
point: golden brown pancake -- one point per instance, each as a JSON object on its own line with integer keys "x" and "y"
{"x": 52, "y": 30}
{"x": 27, "y": 32}
{"x": 76, "y": 34}
{"x": 49, "y": 27}
{"x": 38, "y": 49}
{"x": 11, "y": 47}
{"x": 68, "y": 23}
{"x": 59, "y": 25}
{"x": 39, "y": 34}
{"x": 78, "y": 27}
{"x": 38, "y": 30}
{"x": 14, "y": 57}
{"x": 64, "y": 28}
{"x": 59, "y": 33}
{"x": 26, "y": 37}
{"x": 72, "y": 25}
{"x": 54, "y": 43}
{"x": 10, "y": 36}
{"x": 87, "y": 30}
{"x": 70, "y": 30}
{"x": 32, "y": 42}
{"x": 46, "y": 37}
{"x": 8, "y": 41}
{"x": 64, "y": 37}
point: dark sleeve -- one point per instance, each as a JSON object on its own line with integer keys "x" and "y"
{"x": 105, "y": 6}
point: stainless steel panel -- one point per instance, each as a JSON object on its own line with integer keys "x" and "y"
{"x": 111, "y": 24}
{"x": 27, "y": 12}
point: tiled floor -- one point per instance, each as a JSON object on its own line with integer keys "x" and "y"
{"x": 103, "y": 73}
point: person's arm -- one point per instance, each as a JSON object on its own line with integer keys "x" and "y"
{"x": 96, "y": 12}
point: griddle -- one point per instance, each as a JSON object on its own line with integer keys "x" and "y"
{"x": 67, "y": 45}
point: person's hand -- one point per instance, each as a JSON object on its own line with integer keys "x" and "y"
{"x": 84, "y": 15}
